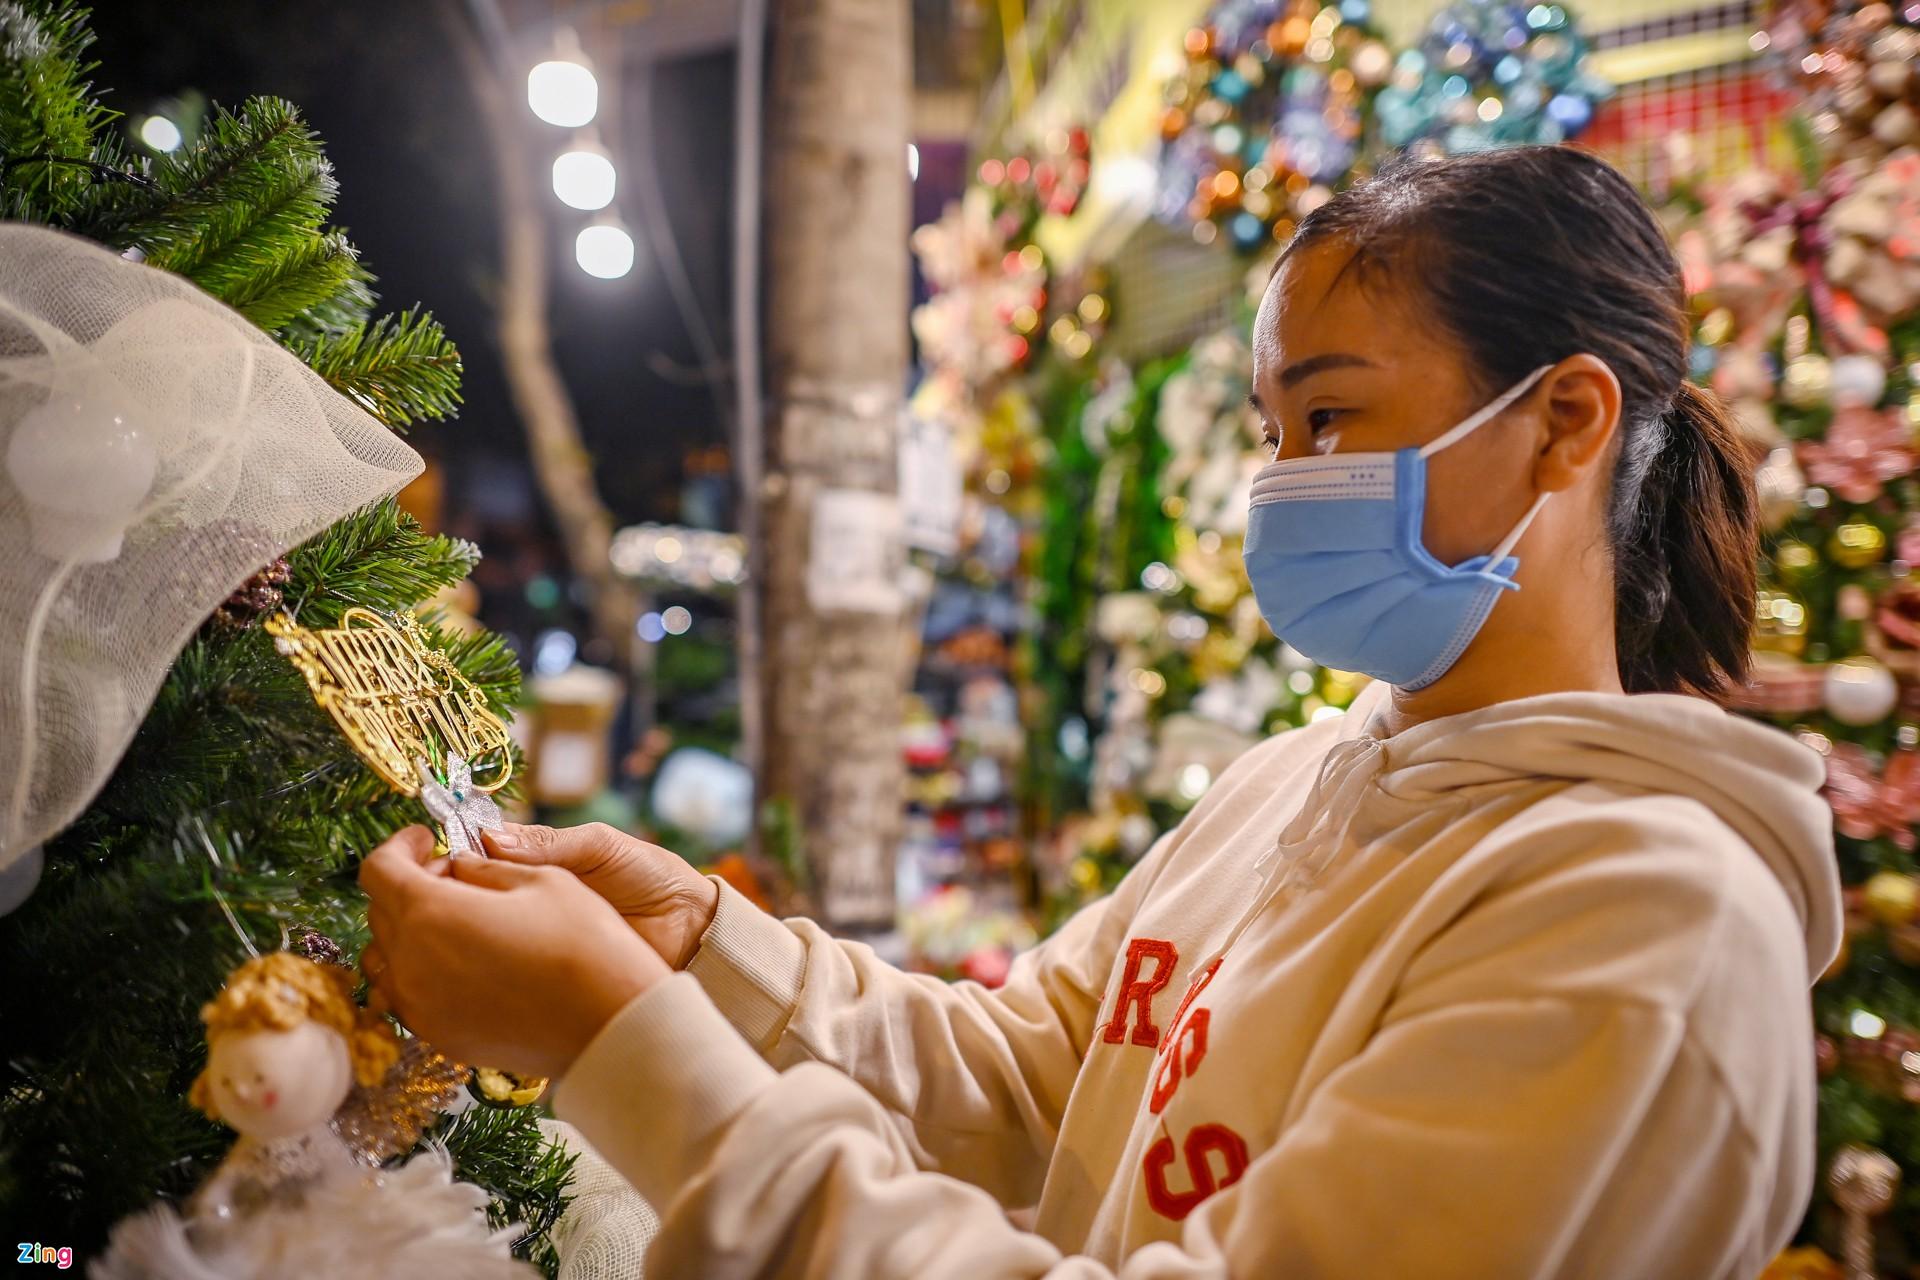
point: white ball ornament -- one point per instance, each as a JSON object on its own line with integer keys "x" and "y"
{"x": 1857, "y": 380}
{"x": 85, "y": 467}
{"x": 1860, "y": 691}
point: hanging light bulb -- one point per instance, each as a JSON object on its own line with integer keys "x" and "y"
{"x": 161, "y": 134}
{"x": 604, "y": 249}
{"x": 562, "y": 90}
{"x": 583, "y": 176}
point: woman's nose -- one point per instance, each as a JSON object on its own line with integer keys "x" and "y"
{"x": 1294, "y": 444}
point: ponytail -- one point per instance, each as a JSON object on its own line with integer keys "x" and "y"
{"x": 1684, "y": 549}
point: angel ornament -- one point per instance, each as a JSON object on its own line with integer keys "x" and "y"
{"x": 320, "y": 1092}
{"x": 285, "y": 1045}
{"x": 462, "y": 809}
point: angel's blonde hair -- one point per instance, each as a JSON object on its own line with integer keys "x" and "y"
{"x": 278, "y": 992}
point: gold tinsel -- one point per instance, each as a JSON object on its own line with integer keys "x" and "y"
{"x": 387, "y": 1119}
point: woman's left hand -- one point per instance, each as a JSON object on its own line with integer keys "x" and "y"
{"x": 508, "y": 966}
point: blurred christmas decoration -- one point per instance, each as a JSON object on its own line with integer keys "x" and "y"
{"x": 1489, "y": 73}
{"x": 1856, "y": 64}
{"x": 569, "y": 747}
{"x": 953, "y": 933}
{"x": 990, "y": 279}
{"x": 1870, "y": 803}
{"x": 1806, "y": 1262}
{"x": 1807, "y": 308}
{"x": 1863, "y": 1182}
{"x": 704, "y": 560}
{"x": 1280, "y": 102}
{"x": 704, "y": 795}
{"x": 1266, "y": 115}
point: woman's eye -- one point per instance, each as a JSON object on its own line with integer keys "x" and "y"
{"x": 1319, "y": 420}
{"x": 1271, "y": 444}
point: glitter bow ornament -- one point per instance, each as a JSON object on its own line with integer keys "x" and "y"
{"x": 462, "y": 809}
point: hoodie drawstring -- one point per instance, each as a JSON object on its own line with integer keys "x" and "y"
{"x": 1315, "y": 834}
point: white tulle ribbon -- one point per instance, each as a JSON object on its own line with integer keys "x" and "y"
{"x": 156, "y": 449}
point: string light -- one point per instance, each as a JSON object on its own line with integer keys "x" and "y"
{"x": 161, "y": 134}
{"x": 563, "y": 92}
{"x": 583, "y": 177}
{"x": 604, "y": 249}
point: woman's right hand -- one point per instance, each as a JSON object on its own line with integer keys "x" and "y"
{"x": 666, "y": 902}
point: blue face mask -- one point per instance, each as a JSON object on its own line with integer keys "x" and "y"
{"x": 1339, "y": 571}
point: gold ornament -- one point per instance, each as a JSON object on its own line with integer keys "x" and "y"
{"x": 387, "y": 1120}
{"x": 397, "y": 700}
{"x": 1779, "y": 624}
{"x": 1808, "y": 1262}
{"x": 1892, "y": 898}
{"x": 1795, "y": 560}
{"x": 1857, "y": 544}
{"x": 1084, "y": 873}
{"x": 1863, "y": 1182}
{"x": 1807, "y": 381}
{"x": 1717, "y": 327}
{"x": 505, "y": 1089}
{"x": 1341, "y": 687}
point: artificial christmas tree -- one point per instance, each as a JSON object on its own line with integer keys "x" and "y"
{"x": 236, "y": 812}
{"x": 1807, "y": 295}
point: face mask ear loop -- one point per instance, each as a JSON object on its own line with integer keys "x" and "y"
{"x": 1470, "y": 425}
{"x": 1512, "y": 540}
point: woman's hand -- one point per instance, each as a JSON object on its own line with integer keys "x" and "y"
{"x": 514, "y": 967}
{"x": 666, "y": 901}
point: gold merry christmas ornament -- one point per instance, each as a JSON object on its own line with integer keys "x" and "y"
{"x": 410, "y": 713}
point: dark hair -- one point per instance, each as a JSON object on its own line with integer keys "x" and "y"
{"x": 1528, "y": 256}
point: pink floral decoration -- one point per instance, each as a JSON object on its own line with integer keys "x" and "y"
{"x": 1866, "y": 806}
{"x": 1863, "y": 449}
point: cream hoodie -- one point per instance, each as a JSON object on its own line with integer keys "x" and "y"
{"x": 1516, "y": 993}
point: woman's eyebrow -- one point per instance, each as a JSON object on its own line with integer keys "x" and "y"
{"x": 1320, "y": 364}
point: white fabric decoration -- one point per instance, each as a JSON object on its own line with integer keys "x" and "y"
{"x": 395, "y": 1224}
{"x": 157, "y": 449}
{"x": 606, "y": 1229}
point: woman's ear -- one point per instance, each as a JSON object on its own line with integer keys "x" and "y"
{"x": 1582, "y": 399}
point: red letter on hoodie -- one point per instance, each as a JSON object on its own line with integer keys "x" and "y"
{"x": 1137, "y": 993}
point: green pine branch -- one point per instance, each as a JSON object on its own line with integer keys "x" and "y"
{"x": 402, "y": 368}
{"x": 46, "y": 109}
{"x": 257, "y": 173}
{"x": 240, "y": 215}
{"x": 238, "y": 814}
{"x": 351, "y": 307}
{"x": 378, "y": 557}
{"x": 525, "y": 1172}
{"x": 279, "y": 283}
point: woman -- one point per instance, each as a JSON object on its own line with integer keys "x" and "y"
{"x": 1502, "y": 974}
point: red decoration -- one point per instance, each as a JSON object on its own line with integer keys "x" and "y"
{"x": 1866, "y": 806}
{"x": 1863, "y": 449}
